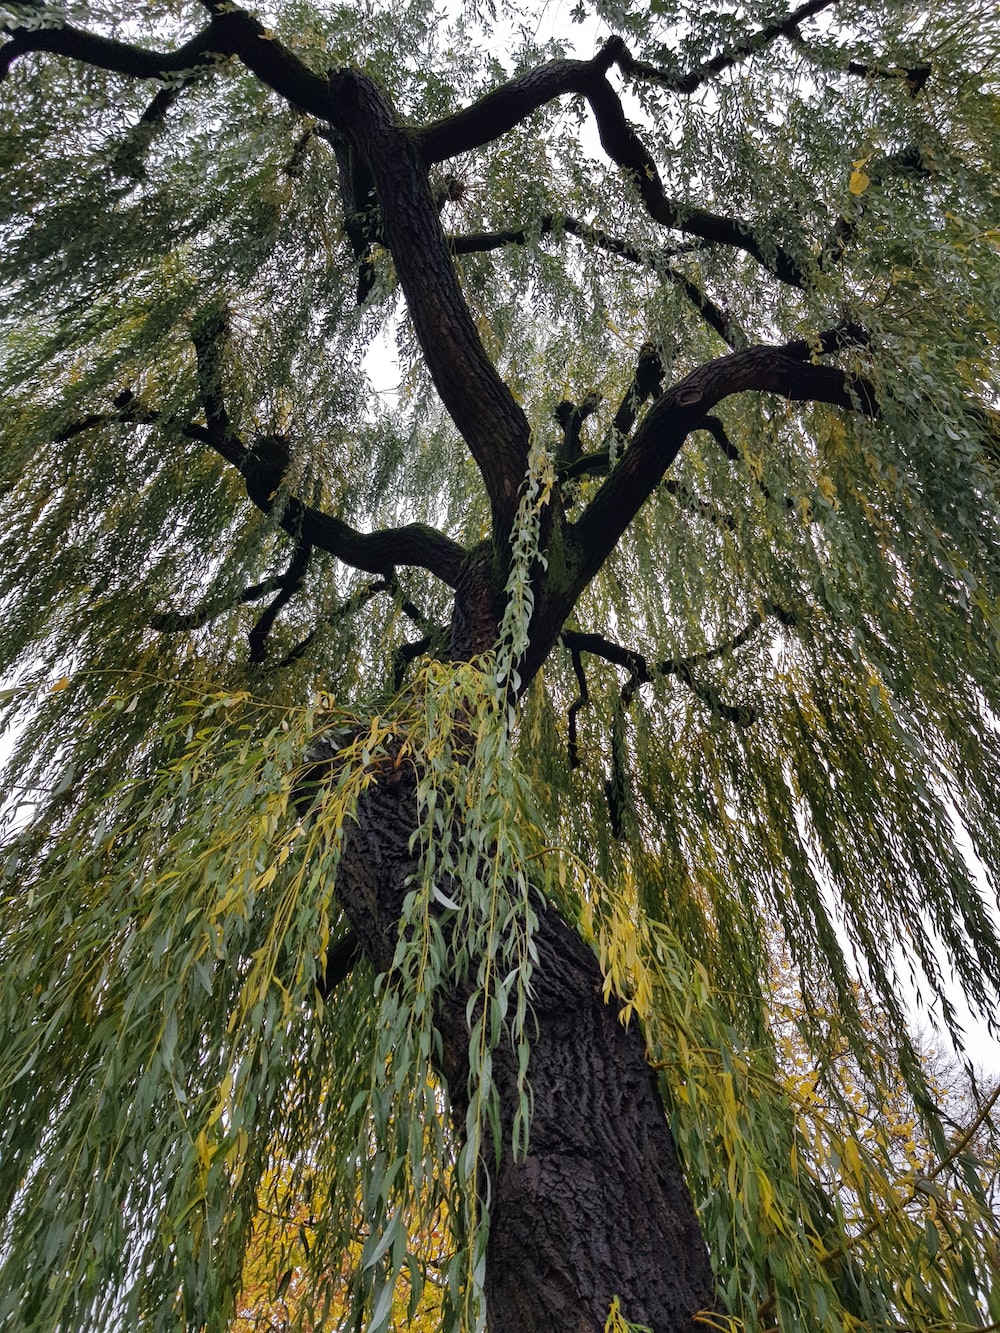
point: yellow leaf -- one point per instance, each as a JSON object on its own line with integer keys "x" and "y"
{"x": 852, "y": 1160}
{"x": 859, "y": 182}
{"x": 828, "y": 489}
{"x": 224, "y": 1091}
{"x": 204, "y": 1150}
{"x": 60, "y": 684}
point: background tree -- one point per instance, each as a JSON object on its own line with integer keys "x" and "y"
{"x": 647, "y": 629}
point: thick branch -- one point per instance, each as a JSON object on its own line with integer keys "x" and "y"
{"x": 499, "y": 111}
{"x": 581, "y": 701}
{"x": 505, "y": 107}
{"x": 624, "y": 147}
{"x": 108, "y": 53}
{"x": 374, "y": 552}
{"x": 482, "y": 407}
{"x": 646, "y": 383}
{"x": 405, "y": 654}
{"x": 915, "y": 77}
{"x": 210, "y": 336}
{"x": 231, "y": 32}
{"x": 787, "y": 371}
{"x": 243, "y": 36}
{"x": 263, "y": 465}
{"x": 635, "y": 663}
{"x": 571, "y": 417}
{"x": 548, "y": 223}
{"x": 129, "y": 155}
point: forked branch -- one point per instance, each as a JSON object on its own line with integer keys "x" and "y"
{"x": 787, "y": 26}
{"x": 291, "y": 583}
{"x": 500, "y": 110}
{"x": 263, "y": 465}
{"x": 641, "y": 672}
{"x": 787, "y": 370}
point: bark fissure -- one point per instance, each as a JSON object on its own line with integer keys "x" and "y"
{"x": 599, "y": 1140}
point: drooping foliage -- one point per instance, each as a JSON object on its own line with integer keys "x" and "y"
{"x": 739, "y": 717}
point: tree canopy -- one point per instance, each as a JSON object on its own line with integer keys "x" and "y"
{"x": 658, "y": 597}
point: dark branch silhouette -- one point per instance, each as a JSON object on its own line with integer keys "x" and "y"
{"x": 788, "y": 26}
{"x": 435, "y": 634}
{"x": 263, "y": 465}
{"x": 499, "y": 111}
{"x": 640, "y": 672}
{"x": 654, "y": 260}
{"x": 786, "y": 370}
{"x": 291, "y": 583}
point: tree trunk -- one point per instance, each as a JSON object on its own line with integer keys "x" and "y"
{"x": 598, "y": 1208}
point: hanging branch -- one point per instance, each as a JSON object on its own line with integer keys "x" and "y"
{"x": 291, "y": 583}
{"x": 641, "y": 673}
{"x": 581, "y": 700}
{"x": 354, "y": 603}
{"x": 654, "y": 260}
{"x": 717, "y": 430}
{"x": 788, "y": 26}
{"x": 695, "y": 505}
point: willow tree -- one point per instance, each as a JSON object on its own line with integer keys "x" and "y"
{"x": 442, "y": 815}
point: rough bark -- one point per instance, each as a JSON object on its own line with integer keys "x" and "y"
{"x": 598, "y": 1207}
